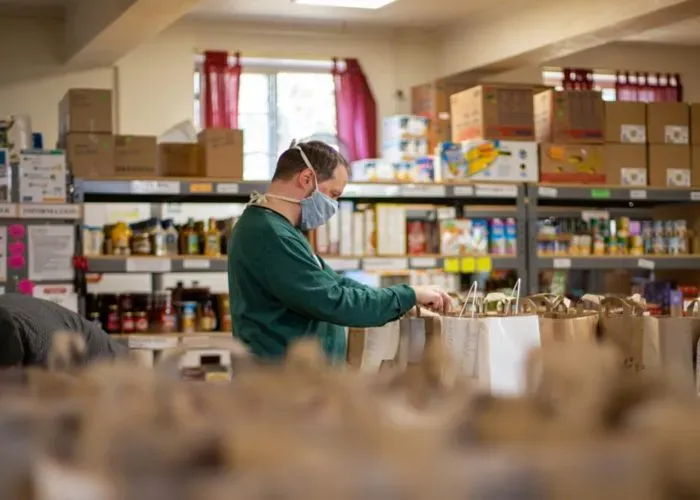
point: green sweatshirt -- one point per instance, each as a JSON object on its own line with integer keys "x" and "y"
{"x": 281, "y": 291}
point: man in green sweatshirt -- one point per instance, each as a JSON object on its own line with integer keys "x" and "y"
{"x": 279, "y": 289}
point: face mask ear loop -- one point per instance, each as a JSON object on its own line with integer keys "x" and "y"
{"x": 308, "y": 164}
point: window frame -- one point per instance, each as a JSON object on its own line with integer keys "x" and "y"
{"x": 604, "y": 81}
{"x": 270, "y": 67}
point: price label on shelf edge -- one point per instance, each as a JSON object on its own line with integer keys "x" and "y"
{"x": 547, "y": 192}
{"x": 8, "y": 210}
{"x": 646, "y": 264}
{"x": 148, "y": 265}
{"x": 638, "y": 194}
{"x": 227, "y": 188}
{"x": 196, "y": 264}
{"x": 155, "y": 187}
{"x": 424, "y": 263}
{"x": 695, "y": 196}
{"x": 464, "y": 190}
{"x": 561, "y": 263}
{"x": 385, "y": 264}
{"x": 48, "y": 211}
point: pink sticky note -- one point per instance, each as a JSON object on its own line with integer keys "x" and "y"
{"x": 26, "y": 287}
{"x": 16, "y": 261}
{"x": 16, "y": 231}
{"x": 16, "y": 248}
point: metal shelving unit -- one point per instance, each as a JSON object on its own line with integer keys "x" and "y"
{"x": 571, "y": 201}
{"x": 471, "y": 200}
{"x": 523, "y": 202}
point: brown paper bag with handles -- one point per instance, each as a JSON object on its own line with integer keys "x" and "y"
{"x": 559, "y": 323}
{"x": 665, "y": 344}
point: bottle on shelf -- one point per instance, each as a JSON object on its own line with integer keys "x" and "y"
{"x": 212, "y": 240}
{"x": 171, "y": 238}
{"x": 189, "y": 239}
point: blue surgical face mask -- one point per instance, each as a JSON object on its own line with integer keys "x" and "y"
{"x": 318, "y": 207}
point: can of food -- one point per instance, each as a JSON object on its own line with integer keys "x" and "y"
{"x": 188, "y": 318}
{"x": 658, "y": 228}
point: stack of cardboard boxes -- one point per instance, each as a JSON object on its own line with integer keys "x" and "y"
{"x": 405, "y": 153}
{"x": 569, "y": 127}
{"x": 92, "y": 150}
{"x": 668, "y": 134}
{"x": 493, "y": 136}
{"x": 626, "y": 158}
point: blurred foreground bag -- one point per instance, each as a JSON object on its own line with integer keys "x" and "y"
{"x": 648, "y": 342}
{"x": 492, "y": 349}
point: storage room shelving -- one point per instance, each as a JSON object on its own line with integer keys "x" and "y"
{"x": 473, "y": 200}
{"x": 525, "y": 203}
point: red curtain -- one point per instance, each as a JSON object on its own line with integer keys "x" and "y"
{"x": 221, "y": 82}
{"x": 356, "y": 112}
{"x": 646, "y": 87}
{"x": 577, "y": 79}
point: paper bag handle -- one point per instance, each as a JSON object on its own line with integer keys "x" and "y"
{"x": 470, "y": 293}
{"x": 692, "y": 309}
{"x": 609, "y": 302}
{"x": 528, "y": 305}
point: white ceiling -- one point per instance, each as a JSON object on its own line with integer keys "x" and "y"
{"x": 424, "y": 13}
{"x": 684, "y": 33}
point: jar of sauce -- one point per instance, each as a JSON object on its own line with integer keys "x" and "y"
{"x": 165, "y": 318}
{"x": 113, "y": 323}
{"x": 141, "y": 322}
{"x": 128, "y": 323}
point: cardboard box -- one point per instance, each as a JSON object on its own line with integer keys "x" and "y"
{"x": 222, "y": 151}
{"x": 669, "y": 165}
{"x": 695, "y": 166}
{"x": 85, "y": 110}
{"x": 695, "y": 124}
{"x": 135, "y": 155}
{"x": 180, "y": 160}
{"x": 576, "y": 164}
{"x": 432, "y": 101}
{"x": 668, "y": 123}
{"x": 625, "y": 164}
{"x": 90, "y": 155}
{"x": 569, "y": 117}
{"x": 507, "y": 161}
{"x": 494, "y": 112}
{"x": 625, "y": 122}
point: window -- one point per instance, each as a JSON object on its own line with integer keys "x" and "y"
{"x": 604, "y": 82}
{"x": 280, "y": 100}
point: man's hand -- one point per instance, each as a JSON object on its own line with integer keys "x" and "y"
{"x": 433, "y": 298}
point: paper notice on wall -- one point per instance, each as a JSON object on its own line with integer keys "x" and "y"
{"x": 63, "y": 295}
{"x": 51, "y": 250}
{"x": 3, "y": 253}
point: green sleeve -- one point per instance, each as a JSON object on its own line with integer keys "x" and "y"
{"x": 294, "y": 276}
{"x": 343, "y": 280}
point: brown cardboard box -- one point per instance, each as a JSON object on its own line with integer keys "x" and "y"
{"x": 695, "y": 166}
{"x": 90, "y": 155}
{"x": 695, "y": 124}
{"x": 582, "y": 163}
{"x": 569, "y": 117}
{"x": 222, "y": 153}
{"x": 625, "y": 164}
{"x": 668, "y": 123}
{"x": 669, "y": 165}
{"x": 625, "y": 122}
{"x": 493, "y": 112}
{"x": 85, "y": 110}
{"x": 135, "y": 155}
{"x": 432, "y": 101}
{"x": 180, "y": 160}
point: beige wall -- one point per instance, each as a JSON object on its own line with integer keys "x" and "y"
{"x": 154, "y": 83}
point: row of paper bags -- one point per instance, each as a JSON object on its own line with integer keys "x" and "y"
{"x": 492, "y": 348}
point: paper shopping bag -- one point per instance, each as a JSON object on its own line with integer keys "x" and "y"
{"x": 492, "y": 350}
{"x": 560, "y": 323}
{"x": 370, "y": 349}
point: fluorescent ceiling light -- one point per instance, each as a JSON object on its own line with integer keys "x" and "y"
{"x": 350, "y": 4}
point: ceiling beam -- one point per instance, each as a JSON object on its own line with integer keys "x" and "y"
{"x": 533, "y": 33}
{"x": 100, "y": 32}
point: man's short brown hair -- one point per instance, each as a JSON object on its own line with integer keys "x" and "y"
{"x": 323, "y": 158}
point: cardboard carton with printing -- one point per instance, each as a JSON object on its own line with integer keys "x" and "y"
{"x": 668, "y": 123}
{"x": 625, "y": 122}
{"x": 90, "y": 155}
{"x": 669, "y": 165}
{"x": 569, "y": 117}
{"x": 86, "y": 110}
{"x": 494, "y": 160}
{"x": 626, "y": 164}
{"x": 494, "y": 112}
{"x": 135, "y": 155}
{"x": 572, "y": 163}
